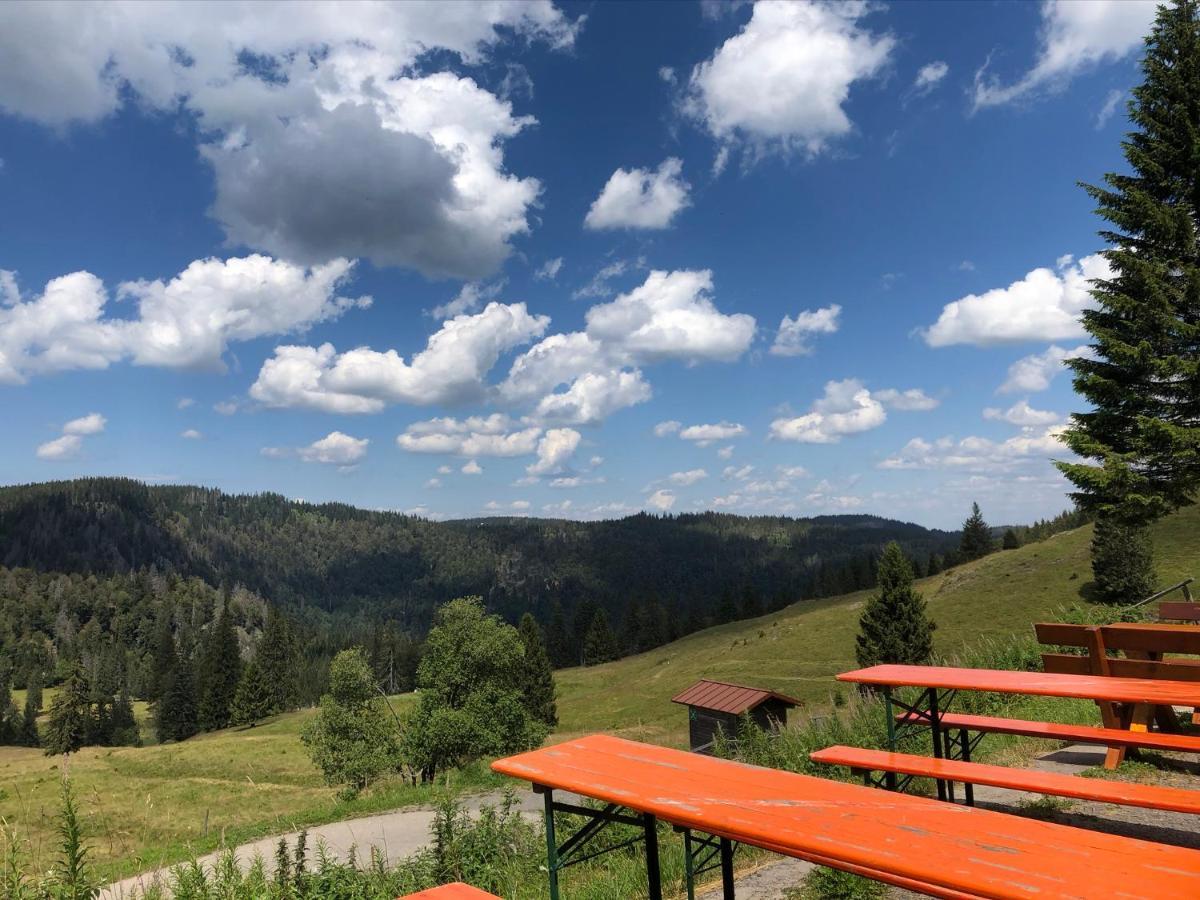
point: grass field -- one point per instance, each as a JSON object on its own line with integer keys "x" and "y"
{"x": 156, "y": 805}
{"x": 798, "y": 649}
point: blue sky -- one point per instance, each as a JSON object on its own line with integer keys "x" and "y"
{"x": 557, "y": 259}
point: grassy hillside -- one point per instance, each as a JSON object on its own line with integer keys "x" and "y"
{"x": 148, "y": 806}
{"x": 145, "y": 806}
{"x": 798, "y": 649}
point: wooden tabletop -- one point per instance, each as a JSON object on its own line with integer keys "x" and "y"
{"x": 1087, "y": 687}
{"x": 455, "y": 891}
{"x": 957, "y": 851}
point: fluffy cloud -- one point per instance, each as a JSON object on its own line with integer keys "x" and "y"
{"x": 1036, "y": 371}
{"x": 690, "y": 477}
{"x": 661, "y": 500}
{"x": 911, "y": 400}
{"x": 494, "y": 435}
{"x": 929, "y": 76}
{"x": 336, "y": 449}
{"x": 328, "y": 144}
{"x": 92, "y": 423}
{"x": 703, "y": 435}
{"x": 785, "y": 78}
{"x": 671, "y": 316}
{"x": 471, "y": 467}
{"x": 793, "y": 337}
{"x": 187, "y": 322}
{"x": 981, "y": 454}
{"x": 593, "y": 397}
{"x": 1043, "y": 306}
{"x": 71, "y": 442}
{"x": 450, "y": 369}
{"x": 640, "y": 198}
{"x": 1021, "y": 413}
{"x": 847, "y": 407}
{"x": 554, "y": 450}
{"x": 548, "y": 271}
{"x": 469, "y": 298}
{"x": 1073, "y": 37}
{"x": 671, "y": 426}
{"x": 191, "y": 434}
{"x": 65, "y": 447}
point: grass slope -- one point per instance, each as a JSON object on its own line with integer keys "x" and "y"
{"x": 145, "y": 807}
{"x": 799, "y": 648}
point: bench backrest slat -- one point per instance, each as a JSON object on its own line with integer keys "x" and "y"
{"x": 1179, "y": 611}
{"x": 1138, "y": 638}
{"x": 1167, "y": 670}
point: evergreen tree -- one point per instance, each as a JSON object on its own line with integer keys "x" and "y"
{"x": 10, "y": 723}
{"x": 33, "y": 690}
{"x": 279, "y": 659}
{"x": 1011, "y": 541}
{"x": 751, "y": 603}
{"x": 176, "y": 711}
{"x": 557, "y": 638}
{"x": 29, "y": 729}
{"x": 1122, "y": 562}
{"x": 600, "y": 645}
{"x": 537, "y": 677}
{"x": 252, "y": 701}
{"x": 124, "y": 728}
{"x": 70, "y": 715}
{"x": 935, "y": 565}
{"x": 220, "y": 670}
{"x": 1141, "y": 439}
{"x": 164, "y": 654}
{"x": 976, "y": 536}
{"x": 894, "y": 627}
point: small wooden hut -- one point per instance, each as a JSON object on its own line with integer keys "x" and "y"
{"x": 716, "y": 705}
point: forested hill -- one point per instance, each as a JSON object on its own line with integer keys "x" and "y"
{"x": 340, "y": 559}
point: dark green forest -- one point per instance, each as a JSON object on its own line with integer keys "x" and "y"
{"x": 122, "y": 590}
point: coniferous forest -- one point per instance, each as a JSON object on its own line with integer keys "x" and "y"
{"x": 221, "y": 609}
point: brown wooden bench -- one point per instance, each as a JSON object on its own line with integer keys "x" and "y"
{"x": 1144, "y": 646}
{"x": 1099, "y": 790}
{"x": 455, "y": 891}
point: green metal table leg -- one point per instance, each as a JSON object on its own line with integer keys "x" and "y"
{"x": 653, "y": 871}
{"x": 551, "y": 845}
{"x": 727, "y": 869}
{"x": 889, "y": 778}
{"x": 689, "y": 865}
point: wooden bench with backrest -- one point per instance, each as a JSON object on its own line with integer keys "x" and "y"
{"x": 1121, "y": 793}
{"x": 939, "y": 849}
{"x": 455, "y": 891}
{"x": 1143, "y": 646}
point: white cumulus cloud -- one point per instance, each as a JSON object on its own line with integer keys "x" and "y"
{"x": 847, "y": 407}
{"x": 784, "y": 80}
{"x": 1035, "y": 372}
{"x": 794, "y": 335}
{"x": 1021, "y": 413}
{"x": 929, "y": 76}
{"x": 683, "y": 479}
{"x": 703, "y": 435}
{"x": 1045, "y": 305}
{"x": 661, "y": 500}
{"x": 640, "y": 198}
{"x": 336, "y": 449}
{"x": 70, "y": 443}
{"x": 1074, "y": 36}
{"x": 554, "y": 450}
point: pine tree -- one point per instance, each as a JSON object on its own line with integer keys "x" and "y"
{"x": 1011, "y": 541}
{"x": 1141, "y": 439}
{"x": 279, "y": 659}
{"x": 895, "y": 627}
{"x": 935, "y": 564}
{"x": 220, "y": 670}
{"x": 33, "y": 690}
{"x": 557, "y": 637}
{"x": 29, "y": 728}
{"x": 600, "y": 644}
{"x": 70, "y": 715}
{"x": 164, "y": 654}
{"x": 252, "y": 701}
{"x": 1122, "y": 562}
{"x": 537, "y": 677}
{"x": 976, "y": 536}
{"x": 176, "y": 712}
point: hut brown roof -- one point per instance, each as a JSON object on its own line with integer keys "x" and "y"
{"x": 728, "y": 698}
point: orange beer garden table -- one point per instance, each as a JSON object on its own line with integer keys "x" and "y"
{"x": 940, "y": 849}
{"x": 941, "y": 683}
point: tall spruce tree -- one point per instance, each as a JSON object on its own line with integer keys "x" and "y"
{"x": 895, "y": 627}
{"x": 163, "y": 656}
{"x": 976, "y": 536}
{"x": 1141, "y": 439}
{"x": 279, "y": 659}
{"x": 558, "y": 637}
{"x": 537, "y": 677}
{"x": 1122, "y": 562}
{"x": 175, "y": 716}
{"x": 253, "y": 699}
{"x": 70, "y": 715}
{"x": 599, "y": 644}
{"x": 219, "y": 672}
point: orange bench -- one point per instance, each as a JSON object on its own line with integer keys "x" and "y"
{"x": 938, "y": 849}
{"x": 1118, "y": 792}
{"x": 455, "y": 891}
